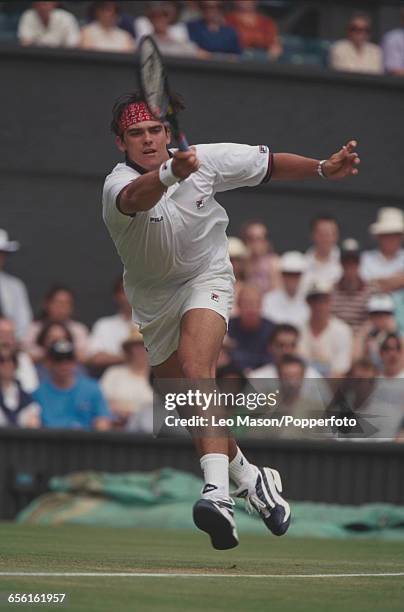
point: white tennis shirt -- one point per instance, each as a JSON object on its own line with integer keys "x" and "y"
{"x": 184, "y": 234}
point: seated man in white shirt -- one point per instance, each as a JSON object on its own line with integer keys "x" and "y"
{"x": 384, "y": 266}
{"x": 14, "y": 300}
{"x": 109, "y": 333}
{"x": 326, "y": 342}
{"x": 103, "y": 33}
{"x": 177, "y": 30}
{"x": 46, "y": 25}
{"x": 323, "y": 258}
{"x": 386, "y": 263}
{"x": 287, "y": 304}
{"x": 356, "y": 53}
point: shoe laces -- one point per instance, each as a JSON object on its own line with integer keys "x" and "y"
{"x": 252, "y": 501}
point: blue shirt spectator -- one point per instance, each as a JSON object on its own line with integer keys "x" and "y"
{"x": 249, "y": 333}
{"x": 250, "y": 345}
{"x": 211, "y": 33}
{"x": 223, "y": 40}
{"x": 68, "y": 400}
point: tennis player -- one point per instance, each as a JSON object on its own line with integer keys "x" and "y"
{"x": 160, "y": 209}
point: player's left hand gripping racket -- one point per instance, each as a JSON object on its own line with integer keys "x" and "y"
{"x": 155, "y": 90}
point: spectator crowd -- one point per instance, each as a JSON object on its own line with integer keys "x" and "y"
{"x": 207, "y": 29}
{"x": 304, "y": 323}
{"x": 318, "y": 321}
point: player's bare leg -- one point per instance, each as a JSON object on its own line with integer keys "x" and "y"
{"x": 201, "y": 338}
{"x": 202, "y": 333}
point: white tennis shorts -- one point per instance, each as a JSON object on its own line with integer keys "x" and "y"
{"x": 161, "y": 335}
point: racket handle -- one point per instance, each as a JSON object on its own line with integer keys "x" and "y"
{"x": 182, "y": 142}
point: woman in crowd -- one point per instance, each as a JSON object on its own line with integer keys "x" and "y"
{"x": 103, "y": 33}
{"x": 58, "y": 307}
{"x": 53, "y": 332}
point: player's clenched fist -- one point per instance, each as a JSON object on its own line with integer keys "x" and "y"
{"x": 185, "y": 163}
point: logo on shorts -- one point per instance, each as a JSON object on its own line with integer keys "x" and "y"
{"x": 200, "y": 204}
{"x": 214, "y": 297}
{"x": 156, "y": 219}
{"x": 263, "y": 149}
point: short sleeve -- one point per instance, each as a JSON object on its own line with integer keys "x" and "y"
{"x": 238, "y": 165}
{"x": 113, "y": 185}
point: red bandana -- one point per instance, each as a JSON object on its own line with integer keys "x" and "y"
{"x": 135, "y": 113}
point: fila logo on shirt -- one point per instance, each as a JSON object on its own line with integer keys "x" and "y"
{"x": 214, "y": 297}
{"x": 200, "y": 204}
{"x": 156, "y": 219}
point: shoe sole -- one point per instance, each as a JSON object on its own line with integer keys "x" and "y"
{"x": 215, "y": 525}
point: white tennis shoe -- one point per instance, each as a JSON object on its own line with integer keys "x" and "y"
{"x": 214, "y": 515}
{"x": 263, "y": 494}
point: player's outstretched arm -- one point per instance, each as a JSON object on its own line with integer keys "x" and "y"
{"x": 289, "y": 167}
{"x": 144, "y": 192}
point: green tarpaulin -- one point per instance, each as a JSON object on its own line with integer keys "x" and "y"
{"x": 164, "y": 498}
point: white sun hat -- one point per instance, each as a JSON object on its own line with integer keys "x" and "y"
{"x": 293, "y": 262}
{"x": 237, "y": 248}
{"x": 6, "y": 245}
{"x": 380, "y": 303}
{"x": 389, "y": 221}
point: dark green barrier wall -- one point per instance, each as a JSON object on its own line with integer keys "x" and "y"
{"x": 334, "y": 472}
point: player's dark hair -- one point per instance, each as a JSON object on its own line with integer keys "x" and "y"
{"x": 283, "y": 328}
{"x": 322, "y": 217}
{"x": 132, "y": 98}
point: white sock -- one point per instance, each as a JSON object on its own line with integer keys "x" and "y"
{"x": 241, "y": 470}
{"x": 215, "y": 467}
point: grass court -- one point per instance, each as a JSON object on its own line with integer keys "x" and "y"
{"x": 262, "y": 573}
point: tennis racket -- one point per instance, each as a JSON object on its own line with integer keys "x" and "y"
{"x": 155, "y": 90}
